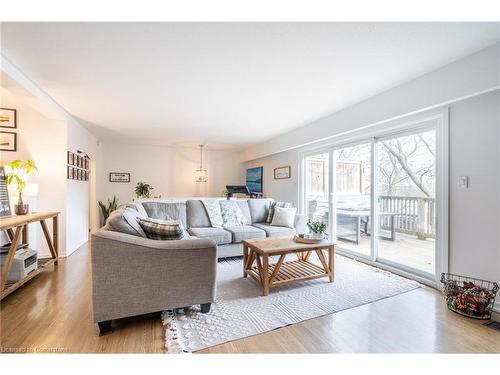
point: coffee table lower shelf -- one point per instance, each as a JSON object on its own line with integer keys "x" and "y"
{"x": 290, "y": 271}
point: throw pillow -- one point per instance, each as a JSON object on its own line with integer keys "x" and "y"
{"x": 231, "y": 213}
{"x": 213, "y": 210}
{"x": 162, "y": 229}
{"x": 276, "y": 204}
{"x": 284, "y": 217}
{"x": 131, "y": 216}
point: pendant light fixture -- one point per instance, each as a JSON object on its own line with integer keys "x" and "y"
{"x": 201, "y": 173}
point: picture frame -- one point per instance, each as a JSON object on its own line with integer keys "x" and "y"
{"x": 69, "y": 172}
{"x": 282, "y": 173}
{"x": 4, "y": 195}
{"x": 8, "y": 141}
{"x": 119, "y": 177}
{"x": 87, "y": 163}
{"x": 70, "y": 158}
{"x": 8, "y": 118}
{"x": 79, "y": 174}
{"x": 254, "y": 180}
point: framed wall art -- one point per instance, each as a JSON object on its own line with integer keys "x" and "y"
{"x": 119, "y": 177}
{"x": 8, "y": 118}
{"x": 281, "y": 173}
{"x": 8, "y": 141}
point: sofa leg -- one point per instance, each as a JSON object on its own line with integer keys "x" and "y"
{"x": 205, "y": 307}
{"x": 105, "y": 327}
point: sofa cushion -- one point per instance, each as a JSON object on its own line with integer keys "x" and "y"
{"x": 138, "y": 207}
{"x": 272, "y": 231}
{"x": 284, "y": 217}
{"x": 245, "y": 232}
{"x": 219, "y": 235}
{"x": 272, "y": 207}
{"x": 243, "y": 205}
{"x": 214, "y": 213}
{"x": 231, "y": 213}
{"x": 196, "y": 214}
{"x": 164, "y": 211}
{"x": 118, "y": 223}
{"x": 157, "y": 229}
{"x": 259, "y": 209}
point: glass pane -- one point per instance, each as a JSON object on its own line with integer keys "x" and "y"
{"x": 352, "y": 198}
{"x": 407, "y": 204}
{"x": 317, "y": 192}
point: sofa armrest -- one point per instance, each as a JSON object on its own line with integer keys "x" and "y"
{"x": 134, "y": 275}
{"x": 300, "y": 223}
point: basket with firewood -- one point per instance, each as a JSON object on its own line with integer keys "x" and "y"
{"x": 468, "y": 296}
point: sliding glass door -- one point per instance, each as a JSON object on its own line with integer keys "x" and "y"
{"x": 406, "y": 189}
{"x": 378, "y": 198}
{"x": 352, "y": 198}
{"x": 317, "y": 187}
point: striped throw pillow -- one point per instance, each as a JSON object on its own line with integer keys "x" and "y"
{"x": 270, "y": 215}
{"x": 156, "y": 229}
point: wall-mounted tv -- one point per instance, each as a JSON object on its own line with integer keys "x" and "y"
{"x": 254, "y": 179}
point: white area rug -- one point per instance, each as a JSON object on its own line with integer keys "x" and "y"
{"x": 240, "y": 310}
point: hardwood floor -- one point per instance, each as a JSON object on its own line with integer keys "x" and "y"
{"x": 52, "y": 313}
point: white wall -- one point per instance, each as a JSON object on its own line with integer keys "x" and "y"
{"x": 170, "y": 170}
{"x": 42, "y": 139}
{"x": 79, "y": 209}
{"x": 286, "y": 190}
{"x": 475, "y": 212}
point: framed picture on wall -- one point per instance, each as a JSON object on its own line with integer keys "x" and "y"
{"x": 119, "y": 177}
{"x": 254, "y": 179}
{"x": 8, "y": 118}
{"x": 87, "y": 163}
{"x": 8, "y": 141}
{"x": 281, "y": 173}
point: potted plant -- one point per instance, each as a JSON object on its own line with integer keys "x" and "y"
{"x": 107, "y": 208}
{"x": 143, "y": 190}
{"x": 19, "y": 174}
{"x": 317, "y": 229}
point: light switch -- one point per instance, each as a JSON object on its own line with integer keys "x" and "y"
{"x": 463, "y": 182}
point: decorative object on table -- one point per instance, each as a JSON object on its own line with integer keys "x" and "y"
{"x": 20, "y": 172}
{"x": 282, "y": 173}
{"x": 201, "y": 173}
{"x": 470, "y": 297}
{"x": 236, "y": 189}
{"x": 8, "y": 118}
{"x": 119, "y": 177}
{"x": 4, "y": 195}
{"x": 8, "y": 141}
{"x": 143, "y": 190}
{"x": 254, "y": 180}
{"x": 107, "y": 208}
{"x": 25, "y": 260}
{"x": 317, "y": 228}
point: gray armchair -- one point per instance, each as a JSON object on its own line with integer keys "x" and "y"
{"x": 133, "y": 275}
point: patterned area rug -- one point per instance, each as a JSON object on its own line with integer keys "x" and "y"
{"x": 240, "y": 310}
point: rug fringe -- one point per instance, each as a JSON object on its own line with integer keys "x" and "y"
{"x": 172, "y": 339}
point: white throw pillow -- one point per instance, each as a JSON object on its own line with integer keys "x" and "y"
{"x": 284, "y": 217}
{"x": 231, "y": 213}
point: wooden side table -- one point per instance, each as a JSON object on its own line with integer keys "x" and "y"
{"x": 17, "y": 227}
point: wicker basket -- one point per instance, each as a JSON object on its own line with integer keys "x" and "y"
{"x": 470, "y": 297}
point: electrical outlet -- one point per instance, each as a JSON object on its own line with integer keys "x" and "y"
{"x": 463, "y": 182}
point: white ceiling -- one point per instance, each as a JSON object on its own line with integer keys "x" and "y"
{"x": 226, "y": 84}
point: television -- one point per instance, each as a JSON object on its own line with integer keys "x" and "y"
{"x": 254, "y": 180}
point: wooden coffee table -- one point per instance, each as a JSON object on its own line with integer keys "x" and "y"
{"x": 256, "y": 264}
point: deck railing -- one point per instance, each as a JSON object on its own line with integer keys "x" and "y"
{"x": 414, "y": 215}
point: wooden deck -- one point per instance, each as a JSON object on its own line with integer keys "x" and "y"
{"x": 406, "y": 250}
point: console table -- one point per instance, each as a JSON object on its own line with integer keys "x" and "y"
{"x": 16, "y": 227}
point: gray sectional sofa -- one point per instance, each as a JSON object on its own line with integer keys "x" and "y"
{"x": 134, "y": 275}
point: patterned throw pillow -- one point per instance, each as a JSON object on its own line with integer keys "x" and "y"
{"x": 213, "y": 210}
{"x": 231, "y": 213}
{"x": 276, "y": 204}
{"x": 156, "y": 229}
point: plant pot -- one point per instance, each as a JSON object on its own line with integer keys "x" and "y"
{"x": 22, "y": 208}
{"x": 317, "y": 236}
